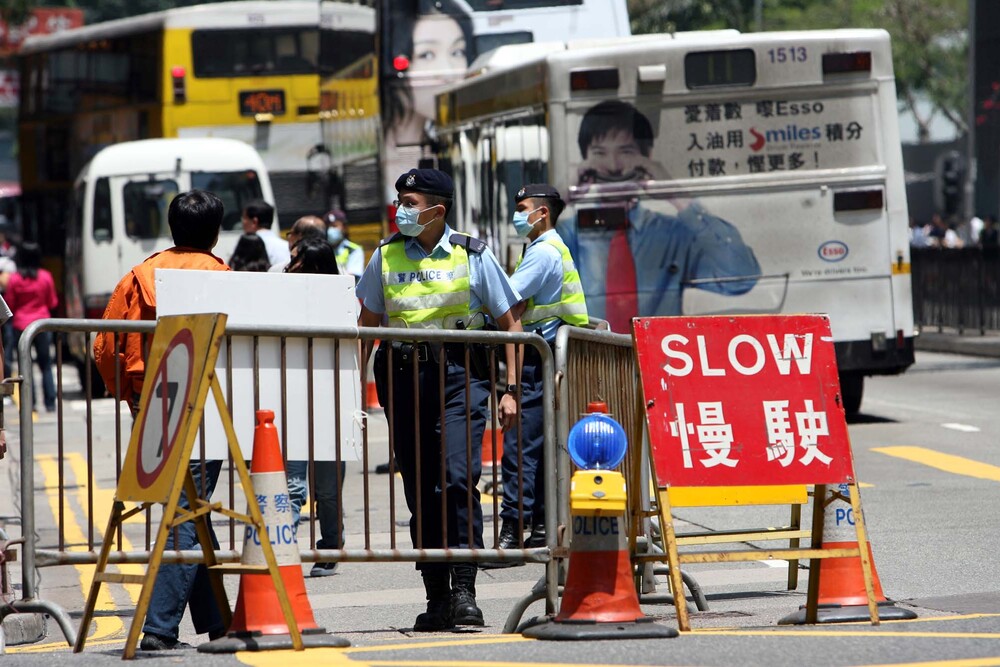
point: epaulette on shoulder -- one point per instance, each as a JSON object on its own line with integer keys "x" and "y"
{"x": 395, "y": 237}
{"x": 470, "y": 243}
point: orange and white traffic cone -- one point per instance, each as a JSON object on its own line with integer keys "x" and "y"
{"x": 258, "y": 622}
{"x": 842, "y": 596}
{"x": 599, "y": 600}
{"x": 371, "y": 393}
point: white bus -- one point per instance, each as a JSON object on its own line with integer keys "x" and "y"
{"x": 707, "y": 173}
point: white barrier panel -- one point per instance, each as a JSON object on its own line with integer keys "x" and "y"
{"x": 278, "y": 299}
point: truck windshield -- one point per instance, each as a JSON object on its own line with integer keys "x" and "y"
{"x": 146, "y": 202}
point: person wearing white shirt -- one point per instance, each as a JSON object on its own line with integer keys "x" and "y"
{"x": 258, "y": 217}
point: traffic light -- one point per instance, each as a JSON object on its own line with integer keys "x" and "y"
{"x": 951, "y": 179}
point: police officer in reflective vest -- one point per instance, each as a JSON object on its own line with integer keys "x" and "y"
{"x": 350, "y": 256}
{"x": 429, "y": 277}
{"x": 549, "y": 283}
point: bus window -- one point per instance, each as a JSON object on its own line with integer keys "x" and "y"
{"x": 236, "y": 189}
{"x": 495, "y": 40}
{"x": 342, "y": 48}
{"x": 102, "y": 211}
{"x": 146, "y": 205}
{"x": 497, "y": 5}
{"x": 96, "y": 75}
{"x": 226, "y": 53}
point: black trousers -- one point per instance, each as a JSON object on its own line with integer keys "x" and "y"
{"x": 437, "y": 443}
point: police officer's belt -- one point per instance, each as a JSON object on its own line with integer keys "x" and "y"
{"x": 404, "y": 352}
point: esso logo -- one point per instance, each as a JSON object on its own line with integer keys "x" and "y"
{"x": 833, "y": 251}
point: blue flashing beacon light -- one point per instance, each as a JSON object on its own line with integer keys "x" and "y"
{"x": 597, "y": 442}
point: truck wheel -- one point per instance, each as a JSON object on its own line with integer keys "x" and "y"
{"x": 852, "y": 387}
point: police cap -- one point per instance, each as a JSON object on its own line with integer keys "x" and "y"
{"x": 333, "y": 215}
{"x": 428, "y": 181}
{"x": 543, "y": 190}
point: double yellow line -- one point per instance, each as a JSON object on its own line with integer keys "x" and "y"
{"x": 107, "y": 628}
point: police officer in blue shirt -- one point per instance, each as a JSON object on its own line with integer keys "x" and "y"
{"x": 429, "y": 277}
{"x": 549, "y": 283}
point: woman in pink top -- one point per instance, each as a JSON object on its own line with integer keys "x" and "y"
{"x": 31, "y": 295}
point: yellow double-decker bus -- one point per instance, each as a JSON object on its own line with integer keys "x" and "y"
{"x": 241, "y": 70}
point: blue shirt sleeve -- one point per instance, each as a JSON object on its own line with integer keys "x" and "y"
{"x": 369, "y": 288}
{"x": 718, "y": 251}
{"x": 489, "y": 283}
{"x": 541, "y": 262}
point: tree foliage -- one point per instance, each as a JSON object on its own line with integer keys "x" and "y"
{"x": 929, "y": 39}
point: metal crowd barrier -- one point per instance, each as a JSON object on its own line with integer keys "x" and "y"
{"x": 37, "y": 555}
{"x": 957, "y": 288}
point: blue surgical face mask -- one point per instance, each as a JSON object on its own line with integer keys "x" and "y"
{"x": 521, "y": 224}
{"x": 334, "y": 235}
{"x": 406, "y": 220}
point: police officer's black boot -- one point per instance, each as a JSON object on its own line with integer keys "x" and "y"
{"x": 509, "y": 539}
{"x": 463, "y": 595}
{"x": 537, "y": 537}
{"x": 438, "y": 615}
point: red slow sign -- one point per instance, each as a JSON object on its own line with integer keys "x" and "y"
{"x": 743, "y": 400}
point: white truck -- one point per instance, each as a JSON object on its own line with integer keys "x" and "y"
{"x": 121, "y": 199}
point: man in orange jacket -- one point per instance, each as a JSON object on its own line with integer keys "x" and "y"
{"x": 195, "y": 219}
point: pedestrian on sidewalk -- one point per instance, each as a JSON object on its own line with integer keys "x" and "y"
{"x": 31, "y": 295}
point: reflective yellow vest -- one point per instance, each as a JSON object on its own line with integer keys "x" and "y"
{"x": 427, "y": 293}
{"x": 571, "y": 307}
{"x": 344, "y": 251}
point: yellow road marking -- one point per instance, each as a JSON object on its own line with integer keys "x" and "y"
{"x": 954, "y": 464}
{"x": 498, "y": 639}
{"x": 483, "y": 663}
{"x": 103, "y": 501}
{"x": 315, "y": 656}
{"x": 849, "y": 633}
{"x": 925, "y": 619}
{"x": 58, "y": 646}
{"x": 335, "y": 657}
{"x": 16, "y": 397}
{"x": 970, "y": 662}
{"x": 105, "y": 626}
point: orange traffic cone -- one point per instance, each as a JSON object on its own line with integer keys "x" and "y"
{"x": 371, "y": 397}
{"x": 842, "y": 596}
{"x": 489, "y": 457}
{"x": 371, "y": 393}
{"x": 258, "y": 622}
{"x": 599, "y": 600}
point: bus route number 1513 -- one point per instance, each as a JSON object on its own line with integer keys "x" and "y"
{"x": 789, "y": 54}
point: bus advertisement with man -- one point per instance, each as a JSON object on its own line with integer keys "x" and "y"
{"x": 708, "y": 174}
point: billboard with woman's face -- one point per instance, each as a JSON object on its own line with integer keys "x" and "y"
{"x": 427, "y": 46}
